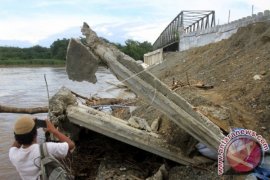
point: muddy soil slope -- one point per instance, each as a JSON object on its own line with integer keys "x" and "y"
{"x": 239, "y": 71}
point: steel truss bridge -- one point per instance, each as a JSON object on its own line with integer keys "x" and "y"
{"x": 184, "y": 22}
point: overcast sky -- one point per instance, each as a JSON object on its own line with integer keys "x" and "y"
{"x": 29, "y": 22}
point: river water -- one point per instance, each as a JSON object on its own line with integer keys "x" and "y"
{"x": 26, "y": 87}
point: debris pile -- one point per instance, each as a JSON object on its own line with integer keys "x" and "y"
{"x": 217, "y": 79}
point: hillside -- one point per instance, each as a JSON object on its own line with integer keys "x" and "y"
{"x": 239, "y": 70}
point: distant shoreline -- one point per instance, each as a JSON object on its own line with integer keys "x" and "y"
{"x": 32, "y": 62}
{"x": 31, "y": 65}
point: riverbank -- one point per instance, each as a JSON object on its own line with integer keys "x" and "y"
{"x": 24, "y": 86}
{"x": 31, "y": 62}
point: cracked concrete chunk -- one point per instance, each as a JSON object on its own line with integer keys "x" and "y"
{"x": 139, "y": 123}
{"x": 82, "y": 64}
{"x": 58, "y": 104}
{"x": 155, "y": 125}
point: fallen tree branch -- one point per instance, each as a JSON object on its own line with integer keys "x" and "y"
{"x": 106, "y": 101}
{"x": 80, "y": 96}
{"x": 119, "y": 85}
{"x": 35, "y": 110}
{"x": 93, "y": 101}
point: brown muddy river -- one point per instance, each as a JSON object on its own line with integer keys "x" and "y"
{"x": 25, "y": 87}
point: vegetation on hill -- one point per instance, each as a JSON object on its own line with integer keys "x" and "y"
{"x": 58, "y": 49}
{"x": 135, "y": 49}
{"x": 56, "y": 53}
{"x": 36, "y": 55}
{"x": 35, "y": 52}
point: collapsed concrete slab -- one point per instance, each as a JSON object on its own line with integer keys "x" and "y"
{"x": 118, "y": 129}
{"x": 71, "y": 117}
{"x": 152, "y": 90}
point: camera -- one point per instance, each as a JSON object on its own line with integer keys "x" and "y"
{"x": 40, "y": 123}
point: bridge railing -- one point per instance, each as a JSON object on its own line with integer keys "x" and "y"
{"x": 185, "y": 21}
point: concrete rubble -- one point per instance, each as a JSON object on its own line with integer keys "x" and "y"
{"x": 147, "y": 86}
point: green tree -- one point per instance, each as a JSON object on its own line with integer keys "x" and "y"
{"x": 35, "y": 52}
{"x": 135, "y": 49}
{"x": 59, "y": 49}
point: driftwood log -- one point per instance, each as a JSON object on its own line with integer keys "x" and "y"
{"x": 35, "y": 110}
{"x": 150, "y": 88}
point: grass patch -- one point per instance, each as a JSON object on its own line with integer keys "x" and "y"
{"x": 21, "y": 62}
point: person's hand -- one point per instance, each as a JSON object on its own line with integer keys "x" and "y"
{"x": 50, "y": 126}
{"x": 16, "y": 144}
{"x": 60, "y": 136}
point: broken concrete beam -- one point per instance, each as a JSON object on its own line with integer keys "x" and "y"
{"x": 81, "y": 55}
{"x": 153, "y": 91}
{"x": 118, "y": 129}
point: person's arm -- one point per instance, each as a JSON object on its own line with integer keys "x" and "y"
{"x": 16, "y": 144}
{"x": 59, "y": 135}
